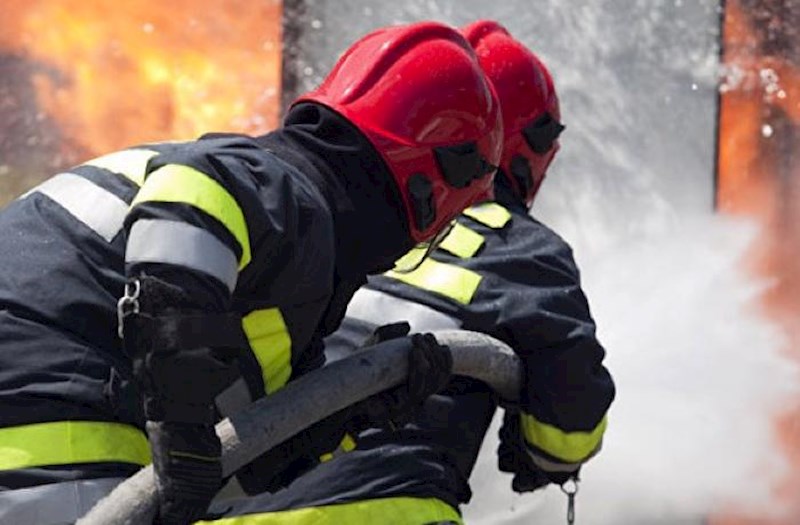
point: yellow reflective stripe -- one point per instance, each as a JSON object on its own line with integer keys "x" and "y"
{"x": 571, "y": 447}
{"x": 271, "y": 344}
{"x": 462, "y": 242}
{"x": 489, "y": 214}
{"x": 68, "y": 442}
{"x": 175, "y": 183}
{"x": 453, "y": 282}
{"x": 348, "y": 443}
{"x": 131, "y": 163}
{"x": 386, "y": 511}
{"x": 412, "y": 258}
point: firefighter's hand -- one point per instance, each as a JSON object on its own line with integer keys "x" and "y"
{"x": 188, "y": 471}
{"x": 429, "y": 367}
{"x": 514, "y": 457}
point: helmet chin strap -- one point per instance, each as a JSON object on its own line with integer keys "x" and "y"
{"x": 414, "y": 258}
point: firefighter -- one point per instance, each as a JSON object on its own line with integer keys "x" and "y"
{"x": 500, "y": 272}
{"x": 148, "y": 291}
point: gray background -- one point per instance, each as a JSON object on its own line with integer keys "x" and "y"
{"x": 637, "y": 82}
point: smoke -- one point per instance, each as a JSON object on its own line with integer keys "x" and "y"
{"x": 700, "y": 378}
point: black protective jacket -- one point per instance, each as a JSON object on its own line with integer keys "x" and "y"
{"x": 280, "y": 229}
{"x": 505, "y": 274}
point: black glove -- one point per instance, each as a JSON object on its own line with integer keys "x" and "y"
{"x": 183, "y": 357}
{"x": 186, "y": 460}
{"x": 429, "y": 371}
{"x": 181, "y": 386}
{"x": 513, "y": 457}
{"x": 429, "y": 367}
{"x": 179, "y": 377}
{"x": 429, "y": 363}
{"x": 179, "y": 389}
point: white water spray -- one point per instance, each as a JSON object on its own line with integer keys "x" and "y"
{"x": 699, "y": 378}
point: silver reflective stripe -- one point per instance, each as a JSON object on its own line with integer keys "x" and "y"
{"x": 381, "y": 308}
{"x": 181, "y": 244}
{"x": 56, "y": 503}
{"x": 99, "y": 209}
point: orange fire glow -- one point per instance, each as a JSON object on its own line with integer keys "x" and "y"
{"x": 113, "y": 74}
{"x": 759, "y": 177}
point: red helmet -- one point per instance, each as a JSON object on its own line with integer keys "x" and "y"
{"x": 529, "y": 102}
{"x": 418, "y": 93}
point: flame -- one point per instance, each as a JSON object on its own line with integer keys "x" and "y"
{"x": 113, "y": 74}
{"x": 759, "y": 178}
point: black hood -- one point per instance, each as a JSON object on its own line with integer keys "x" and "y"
{"x": 370, "y": 221}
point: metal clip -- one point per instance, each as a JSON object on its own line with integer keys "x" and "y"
{"x": 128, "y": 304}
{"x": 570, "y": 488}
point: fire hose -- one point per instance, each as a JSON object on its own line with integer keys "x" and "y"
{"x": 275, "y": 418}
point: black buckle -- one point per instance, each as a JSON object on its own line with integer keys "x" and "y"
{"x": 462, "y": 163}
{"x": 542, "y": 133}
{"x": 420, "y": 189}
{"x": 521, "y": 172}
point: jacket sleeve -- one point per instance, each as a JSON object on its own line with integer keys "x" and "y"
{"x": 544, "y": 316}
{"x": 198, "y": 216}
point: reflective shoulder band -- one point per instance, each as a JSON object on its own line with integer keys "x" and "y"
{"x": 181, "y": 244}
{"x": 462, "y": 242}
{"x": 489, "y": 214}
{"x": 131, "y": 163}
{"x": 378, "y": 308}
{"x": 68, "y": 442}
{"x": 98, "y": 209}
{"x": 182, "y": 184}
{"x": 368, "y": 512}
{"x": 453, "y": 282}
{"x": 271, "y": 344}
{"x": 567, "y": 446}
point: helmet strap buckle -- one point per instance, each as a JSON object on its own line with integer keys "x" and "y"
{"x": 423, "y": 206}
{"x": 542, "y": 133}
